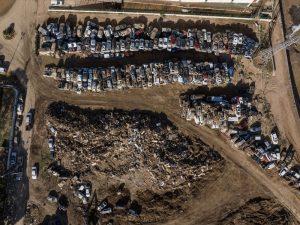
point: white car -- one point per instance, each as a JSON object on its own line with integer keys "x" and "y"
{"x": 93, "y": 45}
{"x": 141, "y": 47}
{"x": 51, "y": 143}
{"x": 87, "y": 192}
{"x": 274, "y": 138}
{"x": 34, "y": 173}
{"x": 165, "y": 43}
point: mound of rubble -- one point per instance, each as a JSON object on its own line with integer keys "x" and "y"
{"x": 258, "y": 211}
{"x": 128, "y": 144}
{"x": 161, "y": 167}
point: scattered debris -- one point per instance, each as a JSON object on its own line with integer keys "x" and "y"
{"x": 142, "y": 147}
{"x": 258, "y": 211}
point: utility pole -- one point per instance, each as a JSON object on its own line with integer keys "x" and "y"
{"x": 267, "y": 53}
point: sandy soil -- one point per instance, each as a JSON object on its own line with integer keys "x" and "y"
{"x": 291, "y": 10}
{"x": 5, "y": 6}
{"x": 17, "y": 51}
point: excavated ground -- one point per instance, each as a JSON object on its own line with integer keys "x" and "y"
{"x": 258, "y": 211}
{"x": 161, "y": 167}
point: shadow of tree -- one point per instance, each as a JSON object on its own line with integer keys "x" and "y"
{"x": 230, "y": 90}
{"x": 139, "y": 58}
{"x": 60, "y": 217}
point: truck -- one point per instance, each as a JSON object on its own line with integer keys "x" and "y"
{"x": 29, "y": 120}
{"x": 34, "y": 172}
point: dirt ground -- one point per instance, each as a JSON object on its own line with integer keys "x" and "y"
{"x": 241, "y": 181}
{"x": 233, "y": 188}
{"x": 278, "y": 91}
{"x": 166, "y": 6}
{"x": 5, "y": 6}
{"x": 292, "y": 17}
{"x": 255, "y": 211}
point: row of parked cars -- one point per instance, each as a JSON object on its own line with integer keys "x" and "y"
{"x": 16, "y": 161}
{"x": 143, "y": 76}
{"x": 232, "y": 118}
{"x": 112, "y": 41}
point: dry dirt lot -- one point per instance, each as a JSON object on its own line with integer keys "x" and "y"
{"x": 5, "y": 6}
{"x": 291, "y": 9}
{"x": 279, "y": 93}
{"x": 241, "y": 180}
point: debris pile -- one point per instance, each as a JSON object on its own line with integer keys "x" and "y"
{"x": 32, "y": 214}
{"x": 130, "y": 145}
{"x": 162, "y": 168}
{"x": 144, "y": 76}
{"x": 239, "y": 121}
{"x": 119, "y": 41}
{"x": 258, "y": 211}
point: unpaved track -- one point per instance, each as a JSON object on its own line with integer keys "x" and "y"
{"x": 281, "y": 96}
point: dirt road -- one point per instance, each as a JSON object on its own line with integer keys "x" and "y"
{"x": 291, "y": 9}
{"x": 279, "y": 93}
{"x": 26, "y": 137}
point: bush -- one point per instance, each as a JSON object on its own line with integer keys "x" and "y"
{"x": 9, "y": 33}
